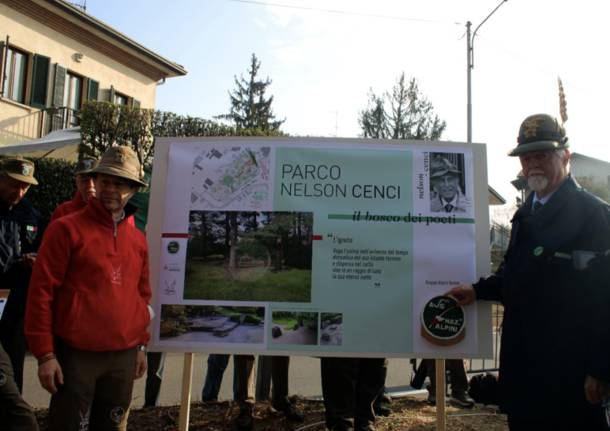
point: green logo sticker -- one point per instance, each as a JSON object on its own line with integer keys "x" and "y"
{"x": 443, "y": 321}
{"x": 538, "y": 250}
{"x": 173, "y": 247}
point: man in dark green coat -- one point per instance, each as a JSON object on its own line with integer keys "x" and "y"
{"x": 20, "y": 233}
{"x": 554, "y": 362}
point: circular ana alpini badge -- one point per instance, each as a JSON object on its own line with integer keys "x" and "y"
{"x": 173, "y": 247}
{"x": 442, "y": 321}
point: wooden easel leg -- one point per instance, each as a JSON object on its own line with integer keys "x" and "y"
{"x": 185, "y": 398}
{"x": 440, "y": 395}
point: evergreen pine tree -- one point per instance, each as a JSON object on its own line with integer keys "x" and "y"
{"x": 411, "y": 115}
{"x": 250, "y": 109}
{"x": 373, "y": 119}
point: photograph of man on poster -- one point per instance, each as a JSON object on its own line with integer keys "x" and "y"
{"x": 447, "y": 183}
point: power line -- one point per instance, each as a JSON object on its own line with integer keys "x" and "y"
{"x": 345, "y": 12}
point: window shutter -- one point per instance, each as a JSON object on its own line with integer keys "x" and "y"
{"x": 60, "y": 84}
{"x": 40, "y": 81}
{"x": 136, "y": 103}
{"x": 93, "y": 89}
{"x": 111, "y": 94}
{"x": 2, "y": 57}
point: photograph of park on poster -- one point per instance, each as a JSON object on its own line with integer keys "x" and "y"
{"x": 331, "y": 333}
{"x": 212, "y": 324}
{"x": 294, "y": 327}
{"x": 249, "y": 256}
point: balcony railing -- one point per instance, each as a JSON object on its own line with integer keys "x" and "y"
{"x": 38, "y": 124}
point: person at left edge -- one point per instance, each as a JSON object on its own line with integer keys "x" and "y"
{"x": 18, "y": 238}
{"x": 87, "y": 312}
{"x": 21, "y": 229}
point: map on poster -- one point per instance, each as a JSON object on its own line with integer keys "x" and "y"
{"x": 323, "y": 247}
{"x": 231, "y": 177}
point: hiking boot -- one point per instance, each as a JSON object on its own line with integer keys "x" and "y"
{"x": 245, "y": 420}
{"x": 381, "y": 406}
{"x": 382, "y": 410}
{"x": 386, "y": 398}
{"x": 291, "y": 411}
{"x": 461, "y": 399}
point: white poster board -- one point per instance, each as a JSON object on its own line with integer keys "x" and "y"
{"x": 325, "y": 247}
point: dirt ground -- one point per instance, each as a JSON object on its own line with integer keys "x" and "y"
{"x": 407, "y": 414}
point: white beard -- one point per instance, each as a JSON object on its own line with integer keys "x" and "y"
{"x": 537, "y": 183}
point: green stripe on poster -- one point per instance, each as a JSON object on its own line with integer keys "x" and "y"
{"x": 395, "y": 218}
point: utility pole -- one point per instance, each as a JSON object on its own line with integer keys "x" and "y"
{"x": 470, "y": 66}
{"x": 469, "y": 85}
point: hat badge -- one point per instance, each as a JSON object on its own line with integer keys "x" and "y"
{"x": 119, "y": 157}
{"x": 26, "y": 170}
{"x": 531, "y": 126}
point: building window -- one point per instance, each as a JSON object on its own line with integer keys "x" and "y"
{"x": 73, "y": 93}
{"x": 15, "y": 72}
{"x": 121, "y": 99}
{"x": 73, "y": 90}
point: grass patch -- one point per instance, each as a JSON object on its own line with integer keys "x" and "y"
{"x": 212, "y": 282}
{"x": 286, "y": 323}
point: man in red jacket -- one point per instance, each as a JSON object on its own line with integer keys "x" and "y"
{"x": 85, "y": 189}
{"x": 87, "y": 313}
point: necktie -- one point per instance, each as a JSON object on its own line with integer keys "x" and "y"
{"x": 448, "y": 208}
{"x": 536, "y": 207}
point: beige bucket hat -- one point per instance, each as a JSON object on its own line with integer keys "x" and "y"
{"x": 121, "y": 161}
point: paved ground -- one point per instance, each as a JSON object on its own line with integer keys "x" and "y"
{"x": 301, "y": 336}
{"x": 304, "y": 379}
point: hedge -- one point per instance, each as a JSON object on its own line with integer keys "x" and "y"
{"x": 55, "y": 184}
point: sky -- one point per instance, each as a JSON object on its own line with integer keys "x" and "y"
{"x": 324, "y": 57}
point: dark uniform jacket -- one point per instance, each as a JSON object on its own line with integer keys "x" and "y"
{"x": 20, "y": 233}
{"x": 553, "y": 332}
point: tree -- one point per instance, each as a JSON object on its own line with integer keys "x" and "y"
{"x": 403, "y": 113}
{"x": 250, "y": 109}
{"x": 373, "y": 120}
{"x": 104, "y": 124}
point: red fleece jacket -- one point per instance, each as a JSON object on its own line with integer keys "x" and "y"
{"x": 90, "y": 285}
{"x": 76, "y": 204}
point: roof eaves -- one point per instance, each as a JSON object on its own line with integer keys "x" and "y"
{"x": 496, "y": 195}
{"x": 174, "y": 68}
